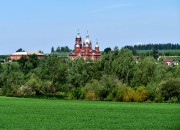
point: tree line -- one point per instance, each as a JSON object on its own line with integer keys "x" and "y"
{"x": 60, "y": 49}
{"x": 117, "y": 76}
{"x": 160, "y": 46}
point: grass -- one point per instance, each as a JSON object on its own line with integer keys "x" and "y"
{"x": 26, "y": 113}
{"x": 160, "y": 51}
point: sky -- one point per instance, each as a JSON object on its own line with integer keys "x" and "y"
{"x": 40, "y": 24}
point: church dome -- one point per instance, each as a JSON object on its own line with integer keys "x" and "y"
{"x": 97, "y": 45}
{"x": 78, "y": 35}
{"x": 77, "y": 45}
{"x": 86, "y": 45}
{"x": 87, "y": 41}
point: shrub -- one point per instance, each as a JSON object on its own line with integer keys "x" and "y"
{"x": 76, "y": 93}
{"x": 129, "y": 95}
{"x": 117, "y": 93}
{"x": 25, "y": 91}
{"x": 141, "y": 94}
{"x": 10, "y": 90}
{"x": 89, "y": 89}
{"x": 100, "y": 91}
{"x": 173, "y": 99}
{"x": 151, "y": 90}
{"x": 169, "y": 90}
{"x": 90, "y": 95}
{"x": 35, "y": 84}
{"x": 132, "y": 95}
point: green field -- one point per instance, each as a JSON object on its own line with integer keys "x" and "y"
{"x": 25, "y": 113}
{"x": 160, "y": 51}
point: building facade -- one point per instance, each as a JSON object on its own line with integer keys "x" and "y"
{"x": 18, "y": 55}
{"x": 84, "y": 49}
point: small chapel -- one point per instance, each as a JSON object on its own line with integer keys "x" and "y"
{"x": 84, "y": 49}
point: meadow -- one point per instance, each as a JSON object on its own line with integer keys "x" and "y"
{"x": 160, "y": 51}
{"x": 28, "y": 113}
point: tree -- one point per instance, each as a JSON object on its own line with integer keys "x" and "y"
{"x": 145, "y": 72}
{"x": 35, "y": 84}
{"x": 76, "y": 72}
{"x": 12, "y": 78}
{"x": 134, "y": 52}
{"x": 155, "y": 54}
{"x": 177, "y": 71}
{"x": 53, "y": 69}
{"x": 40, "y": 51}
{"x": 123, "y": 65}
{"x": 107, "y": 50}
{"x": 65, "y": 49}
{"x": 169, "y": 90}
{"x": 22, "y": 62}
{"x": 20, "y": 50}
{"x": 58, "y": 49}
{"x": 1, "y": 78}
{"x": 31, "y": 63}
{"x": 116, "y": 48}
{"x": 52, "y": 50}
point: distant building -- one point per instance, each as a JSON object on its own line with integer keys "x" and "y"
{"x": 84, "y": 49}
{"x": 170, "y": 62}
{"x": 18, "y": 55}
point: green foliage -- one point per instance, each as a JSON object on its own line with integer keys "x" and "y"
{"x": 20, "y": 50}
{"x": 151, "y": 89}
{"x": 28, "y": 64}
{"x": 147, "y": 70}
{"x": 129, "y": 95}
{"x": 107, "y": 50}
{"x": 117, "y": 92}
{"x": 1, "y": 76}
{"x": 92, "y": 90}
{"x": 169, "y": 90}
{"x": 53, "y": 69}
{"x": 123, "y": 65}
{"x": 141, "y": 93}
{"x": 169, "y": 52}
{"x": 155, "y": 54}
{"x": 80, "y": 72}
{"x": 35, "y": 84}
{"x": 117, "y": 76}
{"x": 12, "y": 78}
{"x": 60, "y": 49}
{"x": 177, "y": 72}
{"x": 160, "y": 46}
{"x": 76, "y": 93}
{"x": 52, "y": 50}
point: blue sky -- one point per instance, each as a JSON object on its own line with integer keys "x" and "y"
{"x": 41, "y": 24}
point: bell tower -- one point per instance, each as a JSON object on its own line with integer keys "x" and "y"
{"x": 96, "y": 47}
{"x": 78, "y": 38}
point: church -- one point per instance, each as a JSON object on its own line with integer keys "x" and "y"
{"x": 84, "y": 49}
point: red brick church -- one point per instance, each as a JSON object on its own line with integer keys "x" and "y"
{"x": 84, "y": 49}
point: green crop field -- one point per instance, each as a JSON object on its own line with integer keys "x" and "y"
{"x": 160, "y": 51}
{"x": 26, "y": 114}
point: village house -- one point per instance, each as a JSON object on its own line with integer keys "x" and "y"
{"x": 18, "y": 55}
{"x": 170, "y": 62}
